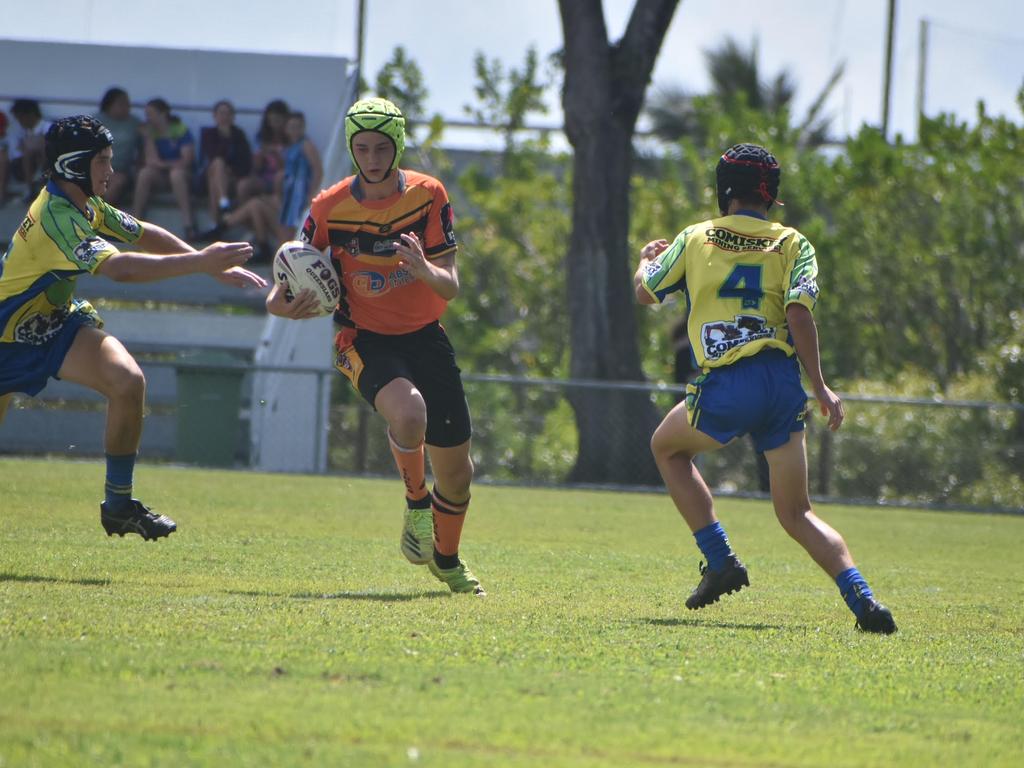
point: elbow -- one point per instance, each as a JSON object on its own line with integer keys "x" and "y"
{"x": 797, "y": 314}
{"x": 642, "y": 296}
{"x": 120, "y": 270}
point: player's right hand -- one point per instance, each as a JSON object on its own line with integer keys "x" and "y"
{"x": 302, "y": 307}
{"x": 653, "y": 249}
{"x": 218, "y": 257}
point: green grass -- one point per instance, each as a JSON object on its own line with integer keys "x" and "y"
{"x": 281, "y": 626}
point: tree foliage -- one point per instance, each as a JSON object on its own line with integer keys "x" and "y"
{"x": 921, "y": 255}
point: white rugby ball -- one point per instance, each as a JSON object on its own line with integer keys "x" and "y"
{"x": 298, "y": 265}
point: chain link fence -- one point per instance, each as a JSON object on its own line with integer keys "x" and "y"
{"x": 891, "y": 451}
{"x": 896, "y": 451}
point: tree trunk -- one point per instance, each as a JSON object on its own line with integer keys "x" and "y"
{"x": 603, "y": 93}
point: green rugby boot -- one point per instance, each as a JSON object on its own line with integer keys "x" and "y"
{"x": 418, "y": 536}
{"x": 459, "y": 579}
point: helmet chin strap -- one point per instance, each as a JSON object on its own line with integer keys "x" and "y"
{"x": 367, "y": 179}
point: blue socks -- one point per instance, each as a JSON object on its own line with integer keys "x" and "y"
{"x": 118, "y": 488}
{"x": 855, "y": 591}
{"x": 714, "y": 545}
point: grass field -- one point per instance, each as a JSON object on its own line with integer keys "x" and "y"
{"x": 280, "y": 626}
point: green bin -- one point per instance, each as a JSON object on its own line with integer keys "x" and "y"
{"x": 209, "y": 402}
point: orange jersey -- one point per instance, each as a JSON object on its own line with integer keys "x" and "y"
{"x": 377, "y": 294}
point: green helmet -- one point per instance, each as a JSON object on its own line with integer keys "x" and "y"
{"x": 380, "y": 115}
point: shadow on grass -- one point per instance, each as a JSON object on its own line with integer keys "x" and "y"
{"x": 34, "y": 579}
{"x": 379, "y": 597}
{"x": 714, "y": 624}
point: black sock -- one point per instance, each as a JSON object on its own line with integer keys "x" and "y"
{"x": 446, "y": 562}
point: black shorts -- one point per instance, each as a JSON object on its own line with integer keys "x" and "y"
{"x": 424, "y": 357}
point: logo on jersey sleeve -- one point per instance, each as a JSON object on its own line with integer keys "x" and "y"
{"x": 88, "y": 251}
{"x": 308, "y": 230}
{"x": 127, "y": 222}
{"x": 448, "y": 224}
{"x": 651, "y": 269}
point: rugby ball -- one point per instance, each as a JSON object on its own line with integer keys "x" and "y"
{"x": 298, "y": 265}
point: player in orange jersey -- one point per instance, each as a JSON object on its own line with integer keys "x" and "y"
{"x": 390, "y": 234}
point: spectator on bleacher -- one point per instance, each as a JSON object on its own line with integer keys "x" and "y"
{"x": 168, "y": 155}
{"x": 27, "y": 145}
{"x": 268, "y": 160}
{"x": 303, "y": 172}
{"x": 274, "y": 218}
{"x": 3, "y": 157}
{"x": 115, "y": 113}
{"x": 224, "y": 156}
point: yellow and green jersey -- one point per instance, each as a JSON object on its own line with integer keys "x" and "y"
{"x": 738, "y": 273}
{"x": 55, "y": 243}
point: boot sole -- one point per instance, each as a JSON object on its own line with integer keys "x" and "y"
{"x": 716, "y": 598}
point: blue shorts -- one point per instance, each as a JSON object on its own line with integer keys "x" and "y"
{"x": 27, "y": 367}
{"x": 760, "y": 394}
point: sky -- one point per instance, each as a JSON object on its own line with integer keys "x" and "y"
{"x": 976, "y": 49}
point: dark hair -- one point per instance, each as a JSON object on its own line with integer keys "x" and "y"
{"x": 26, "y": 107}
{"x": 277, "y": 106}
{"x": 112, "y": 95}
{"x": 225, "y": 103}
{"x": 300, "y": 115}
{"x": 161, "y": 105}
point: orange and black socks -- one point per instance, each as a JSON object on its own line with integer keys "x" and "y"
{"x": 411, "y": 466}
{"x": 448, "y": 519}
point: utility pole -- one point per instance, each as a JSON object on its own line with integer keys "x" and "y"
{"x": 887, "y": 85}
{"x": 360, "y": 37}
{"x": 922, "y": 72}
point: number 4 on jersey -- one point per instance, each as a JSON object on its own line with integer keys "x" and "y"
{"x": 744, "y": 282}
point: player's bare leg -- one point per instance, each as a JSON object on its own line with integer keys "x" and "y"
{"x": 100, "y": 362}
{"x": 788, "y": 469}
{"x": 675, "y": 444}
{"x": 402, "y": 406}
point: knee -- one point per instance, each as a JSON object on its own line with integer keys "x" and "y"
{"x": 127, "y": 383}
{"x": 409, "y": 424}
{"x": 661, "y": 444}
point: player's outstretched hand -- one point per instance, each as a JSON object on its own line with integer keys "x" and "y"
{"x": 304, "y": 306}
{"x": 831, "y": 406}
{"x": 220, "y": 257}
{"x": 241, "y": 278}
{"x": 653, "y": 250}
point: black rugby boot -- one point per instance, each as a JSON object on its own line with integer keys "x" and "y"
{"x": 714, "y": 584}
{"x": 877, "y": 618}
{"x": 137, "y": 518}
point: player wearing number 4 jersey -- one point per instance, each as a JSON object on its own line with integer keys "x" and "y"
{"x": 391, "y": 237}
{"x": 751, "y": 286}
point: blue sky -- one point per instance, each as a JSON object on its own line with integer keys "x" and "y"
{"x": 976, "y": 49}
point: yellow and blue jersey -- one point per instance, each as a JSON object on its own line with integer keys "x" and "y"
{"x": 55, "y": 243}
{"x": 738, "y": 273}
